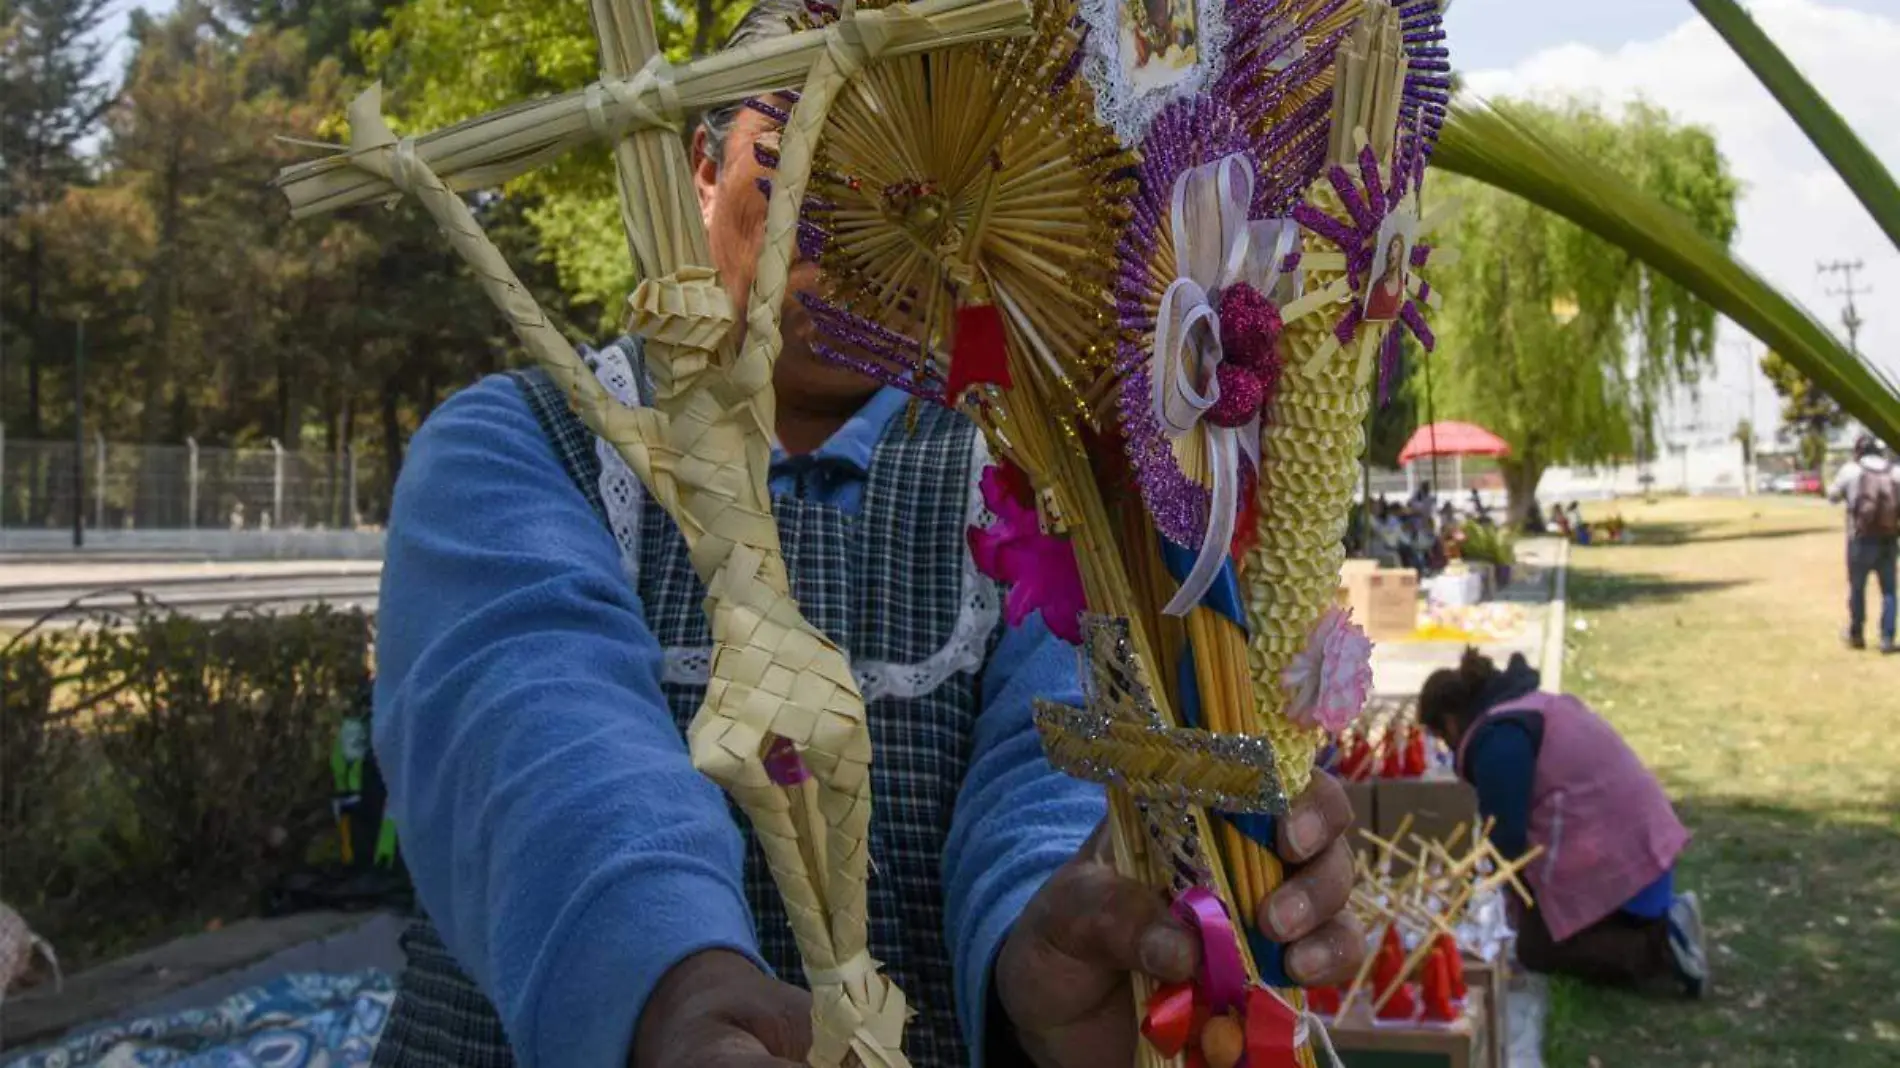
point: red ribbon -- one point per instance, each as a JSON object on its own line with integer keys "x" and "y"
{"x": 1176, "y": 1014}
{"x": 1271, "y": 1027}
{"x": 1169, "y": 1022}
{"x": 979, "y": 354}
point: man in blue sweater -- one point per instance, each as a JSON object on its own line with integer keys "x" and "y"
{"x": 590, "y": 899}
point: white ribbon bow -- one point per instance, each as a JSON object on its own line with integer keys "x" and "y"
{"x": 1215, "y": 246}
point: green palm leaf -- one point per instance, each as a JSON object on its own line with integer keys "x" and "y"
{"x": 1494, "y": 146}
{"x": 1824, "y": 126}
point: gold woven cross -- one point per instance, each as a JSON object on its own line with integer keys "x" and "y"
{"x": 703, "y": 448}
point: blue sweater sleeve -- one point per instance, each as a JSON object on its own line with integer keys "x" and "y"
{"x": 557, "y": 832}
{"x": 1017, "y": 818}
{"x": 1503, "y": 764}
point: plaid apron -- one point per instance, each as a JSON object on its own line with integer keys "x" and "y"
{"x": 887, "y": 586}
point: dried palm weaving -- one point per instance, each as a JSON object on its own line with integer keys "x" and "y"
{"x": 993, "y": 245}
{"x": 999, "y": 242}
{"x": 782, "y": 727}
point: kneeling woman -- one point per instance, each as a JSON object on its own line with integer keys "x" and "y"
{"x": 1550, "y": 772}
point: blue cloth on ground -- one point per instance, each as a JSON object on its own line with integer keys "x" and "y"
{"x": 309, "y": 1020}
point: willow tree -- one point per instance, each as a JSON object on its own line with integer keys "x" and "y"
{"x": 1558, "y": 341}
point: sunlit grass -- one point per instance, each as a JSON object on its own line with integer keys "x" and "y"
{"x": 1713, "y": 645}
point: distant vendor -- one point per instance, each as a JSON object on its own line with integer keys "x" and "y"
{"x": 1551, "y": 773}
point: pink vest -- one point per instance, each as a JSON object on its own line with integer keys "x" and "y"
{"x": 1605, "y": 824}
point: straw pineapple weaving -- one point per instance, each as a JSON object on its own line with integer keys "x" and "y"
{"x": 782, "y": 727}
{"x": 1069, "y": 295}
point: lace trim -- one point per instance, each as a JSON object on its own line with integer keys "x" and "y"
{"x": 1126, "y": 108}
{"x": 620, "y": 489}
{"x": 979, "y": 609}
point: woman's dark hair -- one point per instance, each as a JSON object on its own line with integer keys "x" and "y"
{"x": 1450, "y": 696}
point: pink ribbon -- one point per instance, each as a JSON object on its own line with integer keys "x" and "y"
{"x": 783, "y": 765}
{"x": 1223, "y": 978}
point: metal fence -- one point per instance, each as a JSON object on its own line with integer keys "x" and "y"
{"x": 119, "y": 486}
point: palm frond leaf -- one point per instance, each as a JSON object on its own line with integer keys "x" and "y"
{"x": 1845, "y": 151}
{"x": 1493, "y": 145}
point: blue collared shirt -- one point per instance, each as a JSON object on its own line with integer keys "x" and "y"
{"x": 556, "y": 830}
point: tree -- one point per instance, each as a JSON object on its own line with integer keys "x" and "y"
{"x": 448, "y": 60}
{"x": 1557, "y": 341}
{"x": 51, "y": 98}
{"x": 1808, "y": 414}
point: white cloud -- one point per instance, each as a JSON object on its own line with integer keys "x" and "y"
{"x": 1794, "y": 210}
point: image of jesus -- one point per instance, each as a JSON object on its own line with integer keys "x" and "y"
{"x": 1387, "y": 295}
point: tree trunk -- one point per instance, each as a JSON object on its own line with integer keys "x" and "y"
{"x": 35, "y": 334}
{"x": 1521, "y": 477}
{"x": 392, "y": 439}
{"x": 705, "y": 15}
{"x": 163, "y": 299}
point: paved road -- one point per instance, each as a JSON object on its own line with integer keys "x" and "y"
{"x": 33, "y": 586}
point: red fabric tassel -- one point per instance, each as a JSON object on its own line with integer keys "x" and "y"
{"x": 1402, "y": 1005}
{"x": 1270, "y": 1027}
{"x": 1438, "y": 989}
{"x": 1415, "y": 754}
{"x": 1455, "y": 963}
{"x": 1169, "y": 1020}
{"x": 980, "y": 353}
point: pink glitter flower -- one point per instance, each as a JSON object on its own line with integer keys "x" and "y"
{"x": 1329, "y": 680}
{"x": 1039, "y": 569}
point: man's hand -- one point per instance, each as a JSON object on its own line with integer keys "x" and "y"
{"x": 718, "y": 1010}
{"x": 1063, "y": 973}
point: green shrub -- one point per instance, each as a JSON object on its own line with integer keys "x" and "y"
{"x": 44, "y": 758}
{"x": 1490, "y": 545}
{"x": 218, "y": 733}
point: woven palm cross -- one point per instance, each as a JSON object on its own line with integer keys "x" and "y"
{"x": 1119, "y": 738}
{"x": 782, "y": 727}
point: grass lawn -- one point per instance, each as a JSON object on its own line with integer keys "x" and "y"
{"x": 1713, "y": 644}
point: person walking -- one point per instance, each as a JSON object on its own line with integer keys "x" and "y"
{"x": 1867, "y": 484}
{"x": 1551, "y": 773}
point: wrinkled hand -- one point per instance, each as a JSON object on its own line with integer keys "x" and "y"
{"x": 1063, "y": 973}
{"x": 718, "y": 1010}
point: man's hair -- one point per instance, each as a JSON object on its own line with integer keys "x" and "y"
{"x": 764, "y": 20}
{"x": 1866, "y": 445}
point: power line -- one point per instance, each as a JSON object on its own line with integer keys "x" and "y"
{"x": 1850, "y": 318}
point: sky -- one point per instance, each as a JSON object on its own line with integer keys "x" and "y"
{"x": 1793, "y": 212}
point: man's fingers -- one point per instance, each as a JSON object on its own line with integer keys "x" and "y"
{"x": 1314, "y": 894}
{"x": 1093, "y": 916}
{"x": 1329, "y": 956}
{"x": 1319, "y": 816}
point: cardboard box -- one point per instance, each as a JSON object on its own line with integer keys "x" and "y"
{"x": 1363, "y": 1044}
{"x": 1492, "y": 978}
{"x": 1437, "y": 808}
{"x": 1383, "y": 600}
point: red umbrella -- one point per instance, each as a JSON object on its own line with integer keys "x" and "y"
{"x": 1452, "y": 439}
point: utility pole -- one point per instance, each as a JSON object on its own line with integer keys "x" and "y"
{"x": 1849, "y": 317}
{"x": 79, "y": 434}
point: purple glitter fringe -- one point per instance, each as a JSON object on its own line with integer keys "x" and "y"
{"x": 1389, "y": 357}
{"x": 770, "y": 111}
{"x": 1186, "y": 134}
{"x": 1415, "y": 322}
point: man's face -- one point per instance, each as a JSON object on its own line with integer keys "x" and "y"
{"x": 734, "y": 212}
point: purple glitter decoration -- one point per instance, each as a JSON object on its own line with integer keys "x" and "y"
{"x": 1369, "y": 174}
{"x": 1350, "y": 199}
{"x": 887, "y": 356}
{"x": 770, "y": 111}
{"x": 1389, "y": 364}
{"x": 766, "y": 157}
{"x": 812, "y": 241}
{"x": 1420, "y": 253}
{"x": 1187, "y": 133}
{"x": 764, "y": 186}
{"x": 1414, "y": 321}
